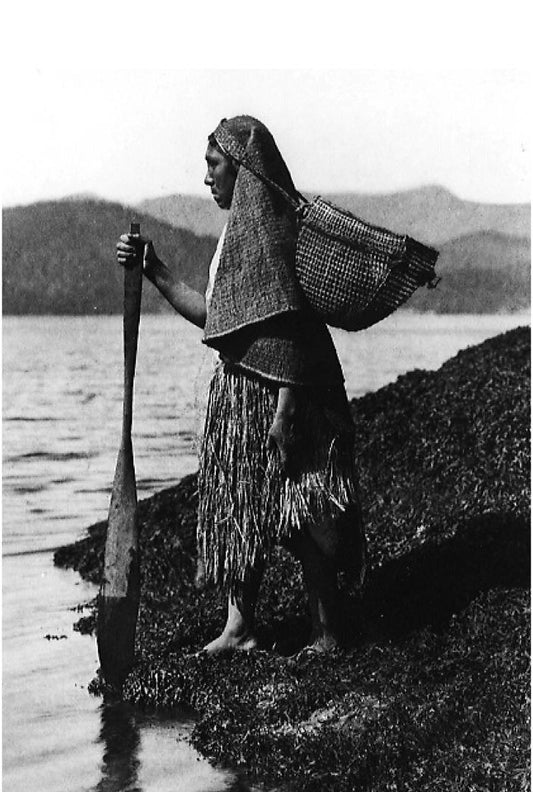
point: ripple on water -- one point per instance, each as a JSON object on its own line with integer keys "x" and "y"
{"x": 51, "y": 456}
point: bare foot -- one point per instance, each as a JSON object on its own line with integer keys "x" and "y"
{"x": 228, "y": 642}
{"x": 323, "y": 645}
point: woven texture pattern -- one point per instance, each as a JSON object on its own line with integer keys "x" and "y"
{"x": 246, "y": 503}
{"x": 255, "y": 285}
{"x": 295, "y": 348}
{"x": 355, "y": 274}
{"x": 255, "y": 278}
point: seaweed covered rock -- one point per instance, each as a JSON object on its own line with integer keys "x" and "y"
{"x": 430, "y": 691}
{"x": 437, "y": 449}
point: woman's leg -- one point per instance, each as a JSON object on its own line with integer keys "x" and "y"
{"x": 322, "y": 549}
{"x": 320, "y": 575}
{"x": 239, "y": 630}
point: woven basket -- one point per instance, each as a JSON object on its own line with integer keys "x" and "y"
{"x": 355, "y": 274}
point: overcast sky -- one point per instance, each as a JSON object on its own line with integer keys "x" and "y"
{"x": 131, "y": 134}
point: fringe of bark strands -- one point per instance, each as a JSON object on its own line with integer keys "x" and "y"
{"x": 246, "y": 502}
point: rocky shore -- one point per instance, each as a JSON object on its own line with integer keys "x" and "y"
{"x": 430, "y": 691}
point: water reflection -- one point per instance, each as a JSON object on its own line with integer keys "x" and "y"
{"x": 145, "y": 752}
{"x": 240, "y": 785}
{"x": 120, "y": 735}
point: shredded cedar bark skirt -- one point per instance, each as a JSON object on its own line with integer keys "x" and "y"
{"x": 247, "y": 504}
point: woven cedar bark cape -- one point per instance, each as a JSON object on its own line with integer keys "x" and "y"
{"x": 258, "y": 317}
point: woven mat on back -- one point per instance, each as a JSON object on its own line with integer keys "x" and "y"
{"x": 256, "y": 282}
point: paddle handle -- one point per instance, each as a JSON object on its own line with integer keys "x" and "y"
{"x": 132, "y": 312}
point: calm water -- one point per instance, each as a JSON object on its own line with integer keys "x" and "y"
{"x": 62, "y": 394}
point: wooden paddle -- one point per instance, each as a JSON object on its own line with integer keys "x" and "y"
{"x": 119, "y": 593}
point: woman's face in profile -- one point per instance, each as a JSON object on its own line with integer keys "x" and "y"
{"x": 220, "y": 176}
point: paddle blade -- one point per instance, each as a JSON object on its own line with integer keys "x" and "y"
{"x": 120, "y": 590}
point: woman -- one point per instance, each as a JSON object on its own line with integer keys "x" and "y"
{"x": 276, "y": 464}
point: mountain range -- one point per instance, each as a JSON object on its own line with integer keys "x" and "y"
{"x": 59, "y": 256}
{"x": 432, "y": 215}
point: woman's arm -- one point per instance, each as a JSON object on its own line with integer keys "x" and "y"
{"x": 184, "y": 299}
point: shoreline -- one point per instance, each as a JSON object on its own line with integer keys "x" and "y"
{"x": 432, "y": 683}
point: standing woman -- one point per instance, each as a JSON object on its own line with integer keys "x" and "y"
{"x": 277, "y": 456}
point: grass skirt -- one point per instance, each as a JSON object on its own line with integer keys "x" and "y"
{"x": 247, "y": 504}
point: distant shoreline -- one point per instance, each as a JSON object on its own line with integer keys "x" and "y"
{"x": 524, "y": 313}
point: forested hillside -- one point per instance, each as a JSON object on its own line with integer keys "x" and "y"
{"x": 59, "y": 257}
{"x": 480, "y": 273}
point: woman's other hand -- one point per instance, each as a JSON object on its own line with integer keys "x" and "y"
{"x": 282, "y": 437}
{"x": 282, "y": 433}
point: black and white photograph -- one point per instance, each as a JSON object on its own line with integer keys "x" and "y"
{"x": 266, "y": 429}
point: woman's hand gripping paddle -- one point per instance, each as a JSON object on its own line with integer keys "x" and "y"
{"x": 120, "y": 590}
